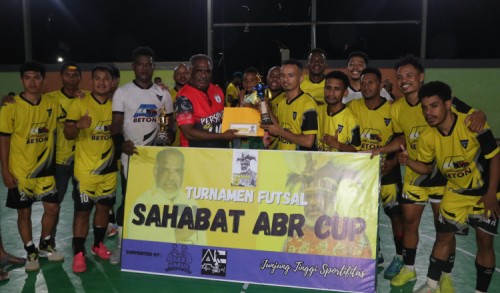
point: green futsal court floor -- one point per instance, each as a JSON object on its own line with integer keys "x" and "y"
{"x": 104, "y": 277}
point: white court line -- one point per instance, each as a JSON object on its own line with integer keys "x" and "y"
{"x": 245, "y": 286}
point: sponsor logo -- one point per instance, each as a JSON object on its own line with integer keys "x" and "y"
{"x": 38, "y": 133}
{"x": 179, "y": 260}
{"x": 218, "y": 99}
{"x": 213, "y": 262}
{"x": 456, "y": 167}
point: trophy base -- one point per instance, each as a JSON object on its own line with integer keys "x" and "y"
{"x": 265, "y": 120}
{"x": 162, "y": 139}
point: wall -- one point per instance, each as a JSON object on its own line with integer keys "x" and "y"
{"x": 479, "y": 87}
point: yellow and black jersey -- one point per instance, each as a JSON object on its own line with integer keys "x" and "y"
{"x": 274, "y": 108}
{"x": 234, "y": 92}
{"x": 344, "y": 123}
{"x": 316, "y": 90}
{"x": 298, "y": 116}
{"x": 94, "y": 147}
{"x": 65, "y": 149}
{"x": 32, "y": 129}
{"x": 173, "y": 94}
{"x": 409, "y": 121}
{"x": 275, "y": 102}
{"x": 462, "y": 156}
{"x": 376, "y": 130}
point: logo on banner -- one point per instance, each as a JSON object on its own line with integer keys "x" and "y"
{"x": 179, "y": 260}
{"x": 213, "y": 262}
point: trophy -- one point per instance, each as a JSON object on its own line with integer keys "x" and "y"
{"x": 261, "y": 89}
{"x": 162, "y": 136}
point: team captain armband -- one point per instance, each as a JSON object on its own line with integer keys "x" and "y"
{"x": 118, "y": 140}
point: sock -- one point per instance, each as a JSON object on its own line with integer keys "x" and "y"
{"x": 483, "y": 278}
{"x": 30, "y": 247}
{"x": 111, "y": 217}
{"x": 78, "y": 245}
{"x": 449, "y": 264}
{"x": 44, "y": 242}
{"x": 435, "y": 268}
{"x": 409, "y": 255}
{"x": 398, "y": 242}
{"x": 99, "y": 234}
{"x": 432, "y": 283}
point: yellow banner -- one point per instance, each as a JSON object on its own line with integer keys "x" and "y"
{"x": 301, "y": 202}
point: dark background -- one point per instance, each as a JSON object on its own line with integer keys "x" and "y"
{"x": 92, "y": 31}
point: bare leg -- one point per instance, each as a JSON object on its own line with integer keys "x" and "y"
{"x": 49, "y": 218}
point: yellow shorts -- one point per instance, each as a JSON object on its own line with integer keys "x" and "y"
{"x": 37, "y": 188}
{"x": 390, "y": 195}
{"x": 458, "y": 211}
{"x": 30, "y": 190}
{"x": 94, "y": 188}
{"x": 421, "y": 195}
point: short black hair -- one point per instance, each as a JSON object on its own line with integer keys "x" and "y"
{"x": 251, "y": 69}
{"x": 32, "y": 66}
{"x": 115, "y": 71}
{"x": 336, "y": 74}
{"x": 316, "y": 50}
{"x": 435, "y": 88}
{"x": 359, "y": 54}
{"x": 294, "y": 62}
{"x": 103, "y": 68}
{"x": 71, "y": 66}
{"x": 409, "y": 60}
{"x": 373, "y": 70}
{"x": 143, "y": 51}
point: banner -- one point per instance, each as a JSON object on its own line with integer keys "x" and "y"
{"x": 299, "y": 219}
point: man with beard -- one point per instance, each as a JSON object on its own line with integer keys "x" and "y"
{"x": 296, "y": 123}
{"x": 470, "y": 161}
{"x": 247, "y": 176}
{"x": 338, "y": 127}
{"x": 418, "y": 189}
{"x": 376, "y": 128}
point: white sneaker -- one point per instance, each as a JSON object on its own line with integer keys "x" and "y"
{"x": 50, "y": 253}
{"x": 32, "y": 263}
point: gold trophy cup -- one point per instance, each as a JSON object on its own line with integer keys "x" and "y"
{"x": 162, "y": 136}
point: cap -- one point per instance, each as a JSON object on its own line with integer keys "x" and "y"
{"x": 71, "y": 66}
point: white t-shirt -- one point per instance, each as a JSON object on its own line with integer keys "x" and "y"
{"x": 140, "y": 108}
{"x": 354, "y": 95}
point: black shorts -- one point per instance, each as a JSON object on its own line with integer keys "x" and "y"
{"x": 18, "y": 201}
